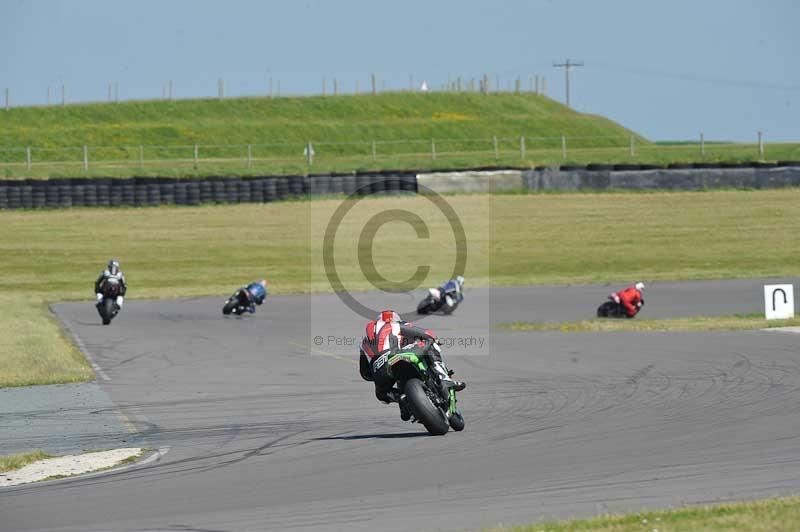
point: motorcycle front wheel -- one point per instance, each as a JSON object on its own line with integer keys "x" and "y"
{"x": 425, "y": 306}
{"x": 229, "y": 306}
{"x": 424, "y": 409}
{"x": 107, "y": 312}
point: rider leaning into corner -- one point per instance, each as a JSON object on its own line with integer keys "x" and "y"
{"x": 111, "y": 271}
{"x": 630, "y": 298}
{"x": 389, "y": 334}
{"x": 453, "y": 286}
{"x": 258, "y": 292}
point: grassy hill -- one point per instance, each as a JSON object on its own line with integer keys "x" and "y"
{"x": 342, "y": 130}
{"x": 259, "y": 136}
{"x": 389, "y": 116}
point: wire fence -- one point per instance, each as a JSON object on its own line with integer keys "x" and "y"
{"x": 59, "y": 95}
{"x": 528, "y": 149}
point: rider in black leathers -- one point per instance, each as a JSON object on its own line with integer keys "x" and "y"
{"x": 111, "y": 271}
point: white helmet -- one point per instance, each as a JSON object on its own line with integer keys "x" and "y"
{"x": 639, "y": 286}
{"x": 460, "y": 280}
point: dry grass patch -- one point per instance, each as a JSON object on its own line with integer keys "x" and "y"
{"x": 12, "y": 462}
{"x": 760, "y": 516}
{"x": 700, "y": 323}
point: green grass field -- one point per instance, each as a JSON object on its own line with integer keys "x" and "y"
{"x": 341, "y": 128}
{"x": 514, "y": 239}
{"x": 769, "y": 515}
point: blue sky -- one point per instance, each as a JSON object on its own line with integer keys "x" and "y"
{"x": 666, "y": 69}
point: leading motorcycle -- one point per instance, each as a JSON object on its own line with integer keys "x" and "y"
{"x": 107, "y": 307}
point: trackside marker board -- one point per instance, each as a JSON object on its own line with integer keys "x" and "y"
{"x": 778, "y": 301}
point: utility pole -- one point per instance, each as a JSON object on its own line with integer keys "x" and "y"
{"x": 567, "y": 66}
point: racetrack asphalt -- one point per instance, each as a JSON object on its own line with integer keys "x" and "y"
{"x": 265, "y": 430}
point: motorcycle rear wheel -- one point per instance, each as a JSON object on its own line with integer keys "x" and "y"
{"x": 424, "y": 410}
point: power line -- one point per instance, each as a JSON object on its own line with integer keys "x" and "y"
{"x": 567, "y": 66}
{"x": 653, "y": 73}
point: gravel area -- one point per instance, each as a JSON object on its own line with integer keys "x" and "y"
{"x": 67, "y": 466}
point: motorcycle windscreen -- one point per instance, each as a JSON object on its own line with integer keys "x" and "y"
{"x": 450, "y": 286}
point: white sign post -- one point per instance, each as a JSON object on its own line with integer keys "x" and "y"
{"x": 778, "y": 301}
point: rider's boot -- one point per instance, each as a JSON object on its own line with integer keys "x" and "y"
{"x": 444, "y": 376}
{"x": 405, "y": 411}
{"x": 392, "y": 396}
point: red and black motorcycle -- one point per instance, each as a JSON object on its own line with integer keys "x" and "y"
{"x": 615, "y": 309}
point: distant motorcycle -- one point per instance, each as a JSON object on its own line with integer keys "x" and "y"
{"x": 238, "y": 303}
{"x": 108, "y": 308}
{"x": 444, "y": 299}
{"x": 612, "y": 309}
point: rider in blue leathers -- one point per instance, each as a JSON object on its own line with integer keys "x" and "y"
{"x": 451, "y": 291}
{"x": 257, "y": 292}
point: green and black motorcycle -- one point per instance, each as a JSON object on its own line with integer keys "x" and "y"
{"x": 424, "y": 398}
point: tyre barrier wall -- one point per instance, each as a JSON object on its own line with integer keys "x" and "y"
{"x": 477, "y": 181}
{"x": 700, "y": 176}
{"x": 142, "y": 192}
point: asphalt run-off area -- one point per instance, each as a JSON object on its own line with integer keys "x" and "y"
{"x": 268, "y": 426}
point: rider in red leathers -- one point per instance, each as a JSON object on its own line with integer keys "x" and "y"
{"x": 630, "y": 298}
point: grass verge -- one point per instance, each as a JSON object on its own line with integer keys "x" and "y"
{"x": 512, "y": 240}
{"x": 758, "y": 516}
{"x": 700, "y": 323}
{"x": 33, "y": 348}
{"x": 13, "y": 462}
